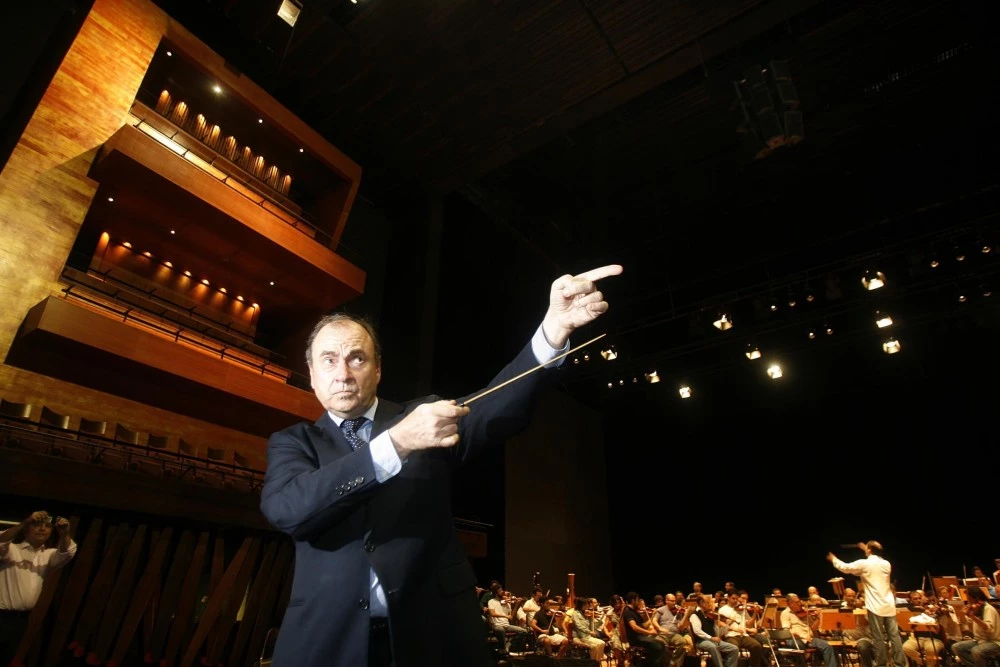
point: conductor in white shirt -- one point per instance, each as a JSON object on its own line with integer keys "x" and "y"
{"x": 880, "y": 600}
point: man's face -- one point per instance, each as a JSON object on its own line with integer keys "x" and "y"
{"x": 671, "y": 600}
{"x": 38, "y": 533}
{"x": 707, "y": 602}
{"x": 344, "y": 373}
{"x": 794, "y": 603}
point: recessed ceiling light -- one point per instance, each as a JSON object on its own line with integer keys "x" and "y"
{"x": 170, "y": 53}
{"x": 111, "y": 198}
{"x": 302, "y": 150}
{"x": 272, "y": 283}
{"x": 260, "y": 120}
{"x": 187, "y": 273}
{"x": 216, "y": 89}
{"x": 204, "y": 281}
{"x": 173, "y": 231}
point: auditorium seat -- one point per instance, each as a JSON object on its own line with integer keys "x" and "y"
{"x": 15, "y": 410}
{"x": 126, "y": 435}
{"x": 53, "y": 419}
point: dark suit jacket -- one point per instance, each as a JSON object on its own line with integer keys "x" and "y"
{"x": 344, "y": 522}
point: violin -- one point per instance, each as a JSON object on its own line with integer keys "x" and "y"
{"x": 805, "y": 612}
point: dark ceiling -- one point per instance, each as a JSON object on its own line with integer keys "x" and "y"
{"x": 600, "y": 131}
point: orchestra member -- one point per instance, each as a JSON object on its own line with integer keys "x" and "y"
{"x": 636, "y": 631}
{"x": 802, "y": 625}
{"x": 735, "y": 613}
{"x": 708, "y": 631}
{"x": 983, "y": 647}
{"x": 545, "y": 623}
{"x": 922, "y": 642}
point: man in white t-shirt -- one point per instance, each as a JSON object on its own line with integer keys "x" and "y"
{"x": 880, "y": 600}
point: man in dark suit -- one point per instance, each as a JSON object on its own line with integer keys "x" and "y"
{"x": 380, "y": 576}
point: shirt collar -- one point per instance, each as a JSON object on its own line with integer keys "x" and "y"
{"x": 369, "y": 414}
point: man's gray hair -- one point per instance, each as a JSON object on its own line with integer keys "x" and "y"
{"x": 340, "y": 318}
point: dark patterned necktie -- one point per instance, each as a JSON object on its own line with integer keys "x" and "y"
{"x": 351, "y": 428}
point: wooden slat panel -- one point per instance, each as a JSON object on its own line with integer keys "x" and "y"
{"x": 186, "y": 603}
{"x": 115, "y": 604}
{"x": 73, "y": 594}
{"x": 269, "y": 610}
{"x": 230, "y": 607}
{"x": 211, "y": 613}
{"x": 252, "y": 609}
{"x": 100, "y": 588}
{"x": 170, "y": 596}
{"x": 141, "y": 597}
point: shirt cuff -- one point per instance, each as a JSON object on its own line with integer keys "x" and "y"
{"x": 543, "y": 350}
{"x": 384, "y": 457}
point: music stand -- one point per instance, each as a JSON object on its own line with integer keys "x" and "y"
{"x": 838, "y": 586}
{"x": 831, "y": 620}
{"x": 950, "y": 581}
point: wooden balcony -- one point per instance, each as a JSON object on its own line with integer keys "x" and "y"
{"x": 141, "y": 362}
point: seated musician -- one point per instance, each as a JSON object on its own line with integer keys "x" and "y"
{"x": 671, "y": 622}
{"x": 530, "y": 607}
{"x": 861, "y": 636}
{"x": 753, "y": 620}
{"x": 924, "y": 643}
{"x": 815, "y": 599}
{"x": 802, "y": 625}
{"x": 708, "y": 631}
{"x": 580, "y": 624}
{"x": 947, "y": 617}
{"x": 611, "y": 629}
{"x": 735, "y": 613}
{"x": 636, "y": 631}
{"x": 985, "y": 582}
{"x": 546, "y": 624}
{"x": 985, "y": 643}
{"x": 501, "y": 616}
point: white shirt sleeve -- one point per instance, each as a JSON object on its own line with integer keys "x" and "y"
{"x": 543, "y": 350}
{"x": 696, "y": 628}
{"x": 855, "y": 567}
{"x": 384, "y": 457}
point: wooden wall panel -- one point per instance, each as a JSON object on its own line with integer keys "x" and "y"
{"x": 44, "y": 188}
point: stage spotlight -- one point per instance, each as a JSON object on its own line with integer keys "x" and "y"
{"x": 812, "y": 334}
{"x": 753, "y": 352}
{"x": 724, "y": 323}
{"x": 609, "y": 353}
{"x": 891, "y": 346}
{"x": 652, "y": 377}
{"x": 873, "y": 280}
{"x": 882, "y": 320}
{"x": 774, "y": 371}
{"x": 685, "y": 391}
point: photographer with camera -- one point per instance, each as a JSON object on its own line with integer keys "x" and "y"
{"x": 23, "y": 566}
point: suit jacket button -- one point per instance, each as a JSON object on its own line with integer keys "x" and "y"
{"x": 369, "y": 547}
{"x": 363, "y": 603}
{"x": 359, "y": 480}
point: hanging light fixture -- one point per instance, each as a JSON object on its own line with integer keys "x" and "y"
{"x": 753, "y": 352}
{"x": 873, "y": 280}
{"x": 882, "y": 320}
{"x": 724, "y": 323}
{"x": 891, "y": 346}
{"x": 609, "y": 353}
{"x": 685, "y": 391}
{"x": 774, "y": 371}
{"x": 652, "y": 377}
